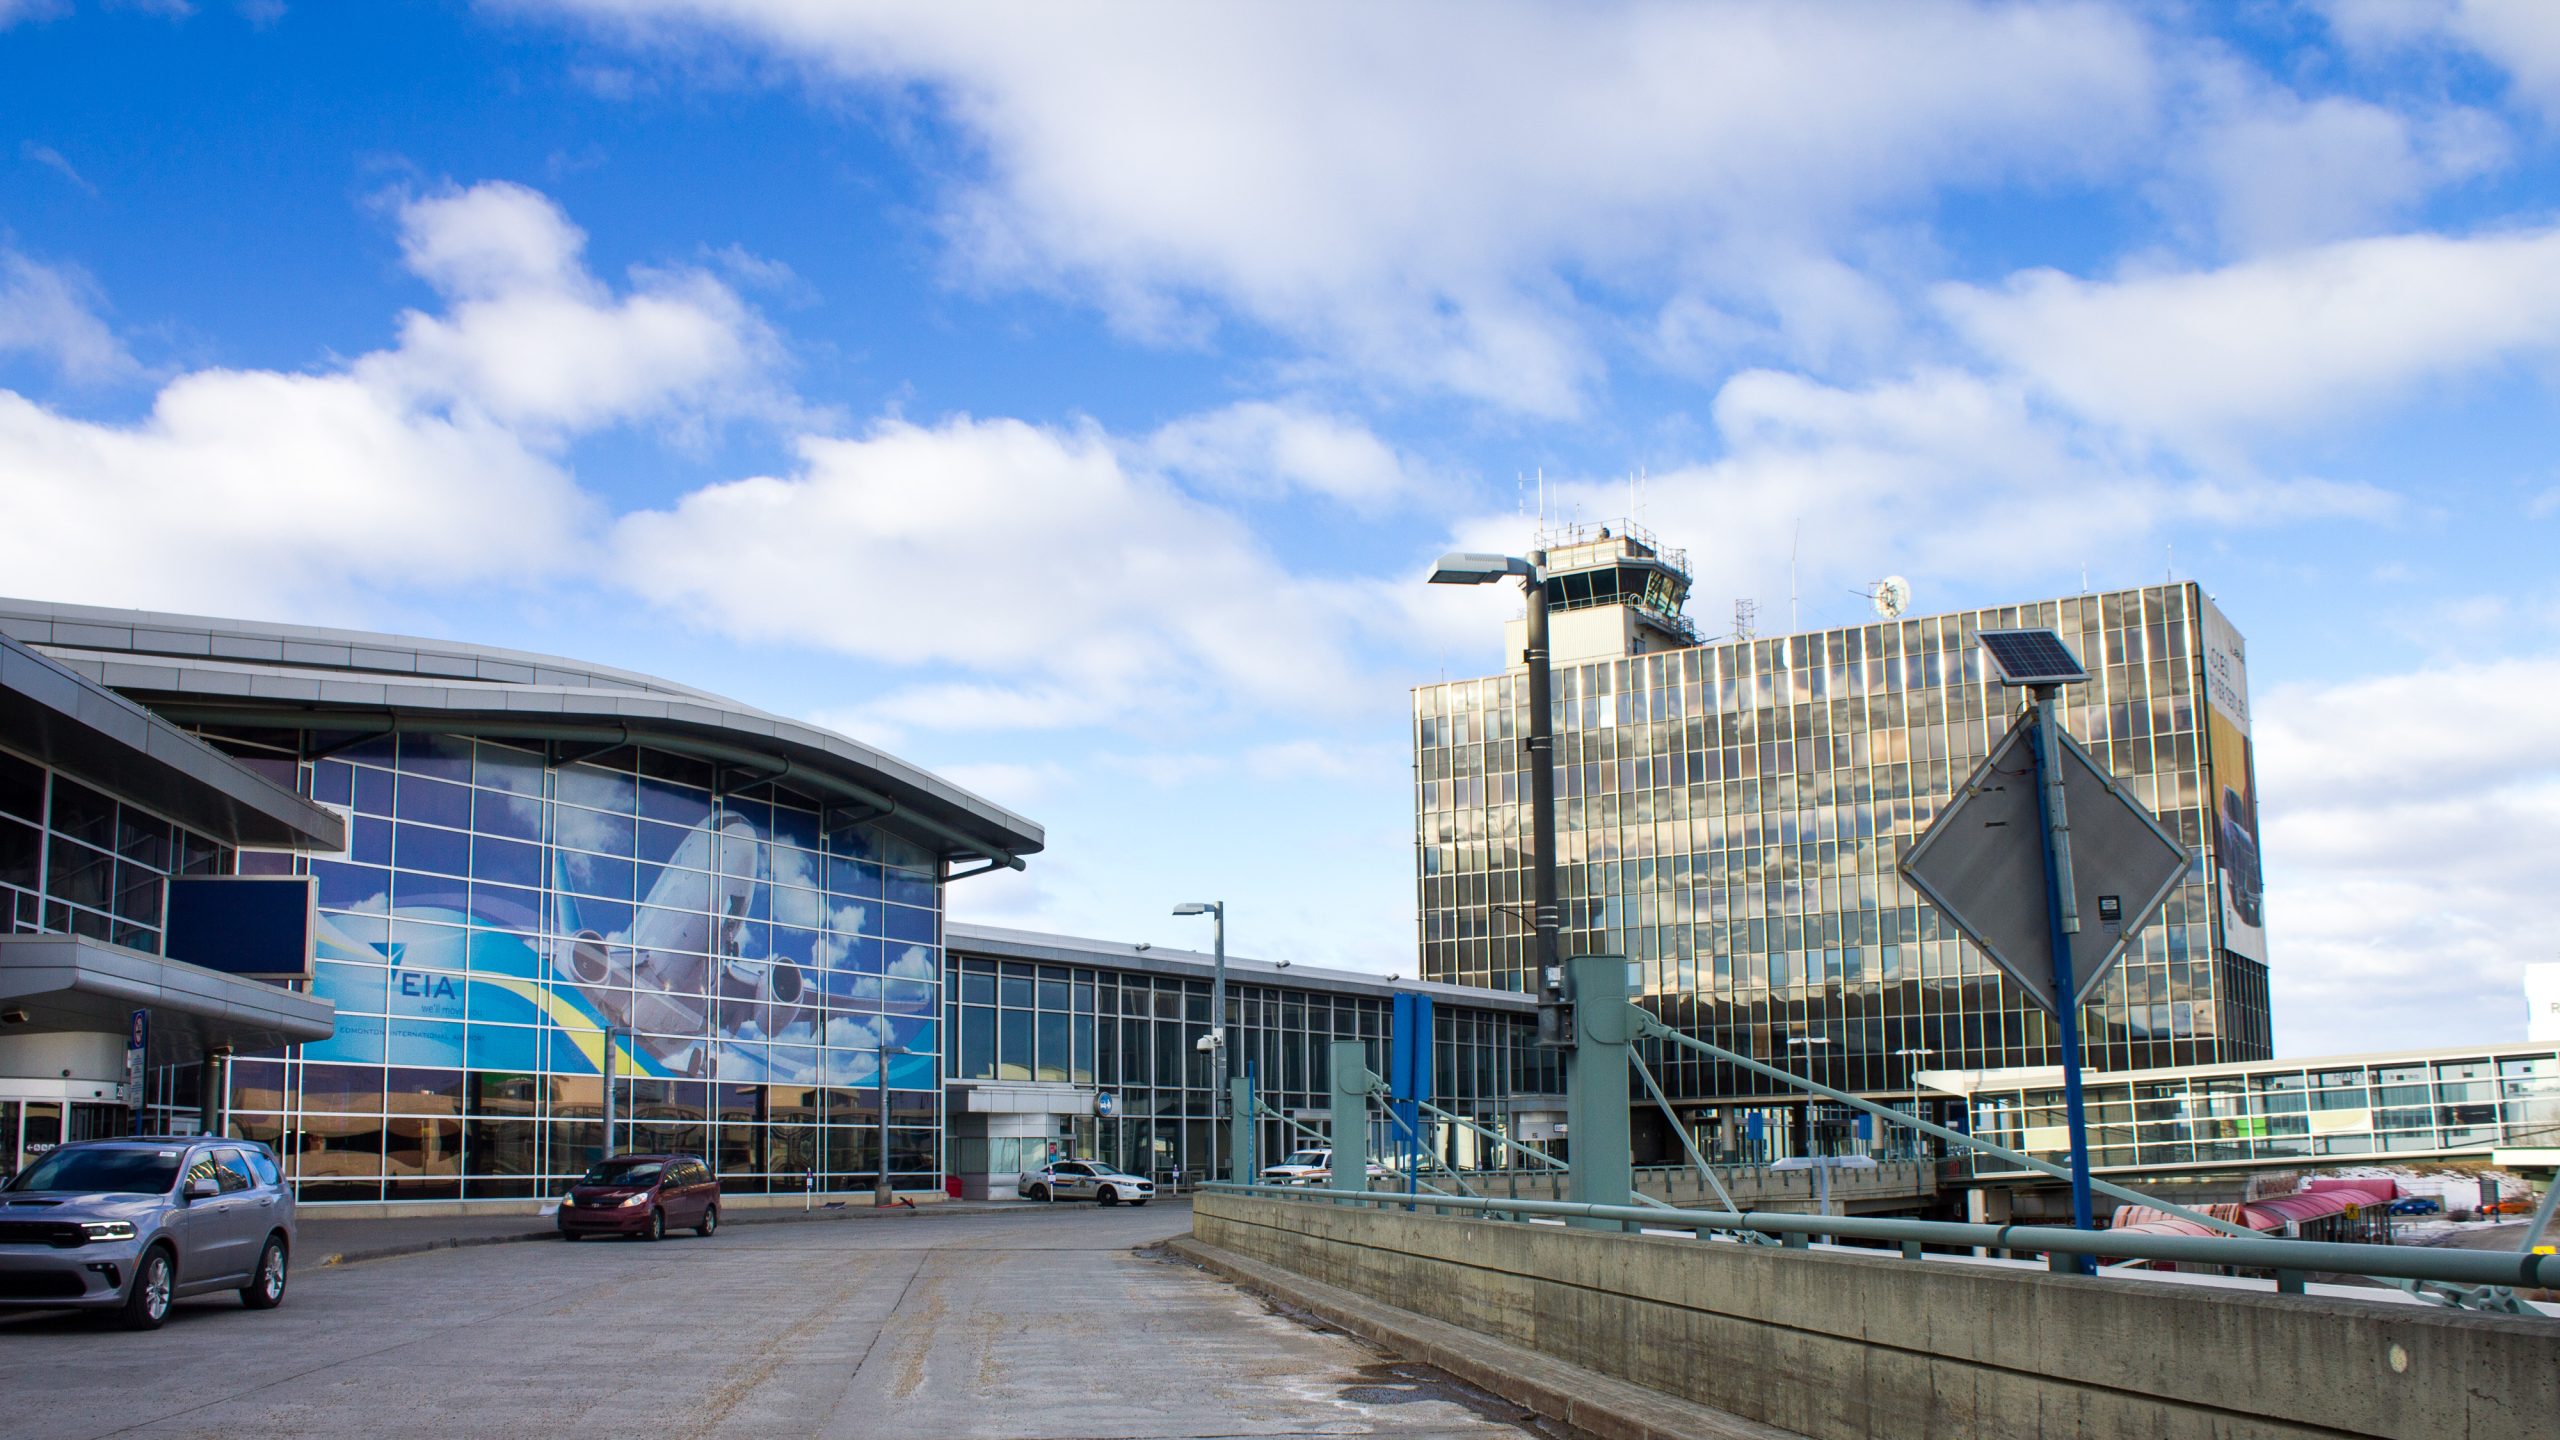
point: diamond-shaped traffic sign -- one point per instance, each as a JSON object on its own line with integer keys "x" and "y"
{"x": 1982, "y": 865}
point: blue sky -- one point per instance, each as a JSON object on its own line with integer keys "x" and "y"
{"x": 1069, "y": 398}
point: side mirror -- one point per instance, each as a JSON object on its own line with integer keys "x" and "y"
{"x": 203, "y": 1187}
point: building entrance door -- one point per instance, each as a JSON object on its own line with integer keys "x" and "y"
{"x": 37, "y": 1130}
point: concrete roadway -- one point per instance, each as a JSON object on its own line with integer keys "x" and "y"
{"x": 1038, "y": 1323}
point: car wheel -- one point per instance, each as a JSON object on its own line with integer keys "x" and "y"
{"x": 657, "y": 1227}
{"x": 1108, "y": 1196}
{"x": 710, "y": 1222}
{"x": 265, "y": 1290}
{"x": 155, "y": 1283}
{"x": 1039, "y": 1192}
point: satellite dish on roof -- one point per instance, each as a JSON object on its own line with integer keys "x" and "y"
{"x": 1892, "y": 596}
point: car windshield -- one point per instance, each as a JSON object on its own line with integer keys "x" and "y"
{"x": 1306, "y": 1157}
{"x": 621, "y": 1172}
{"x": 114, "y": 1171}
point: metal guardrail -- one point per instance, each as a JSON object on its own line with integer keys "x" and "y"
{"x": 2288, "y": 1258}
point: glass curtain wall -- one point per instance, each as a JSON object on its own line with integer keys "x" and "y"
{"x": 75, "y": 862}
{"x": 503, "y": 915}
{"x": 2417, "y": 1105}
{"x": 1133, "y": 1035}
{"x": 1732, "y": 816}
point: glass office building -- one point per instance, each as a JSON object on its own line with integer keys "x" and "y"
{"x": 553, "y": 871}
{"x": 1732, "y": 812}
{"x": 1084, "y": 1018}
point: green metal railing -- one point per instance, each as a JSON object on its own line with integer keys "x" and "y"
{"x": 2288, "y": 1259}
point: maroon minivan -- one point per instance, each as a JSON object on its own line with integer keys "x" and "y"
{"x": 643, "y": 1195}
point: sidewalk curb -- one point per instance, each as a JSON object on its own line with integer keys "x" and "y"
{"x": 1586, "y": 1400}
{"x": 776, "y": 1216}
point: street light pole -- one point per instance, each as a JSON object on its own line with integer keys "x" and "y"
{"x": 1216, "y": 910}
{"x": 1555, "y": 1016}
{"x": 1545, "y": 917}
{"x": 882, "y": 1196}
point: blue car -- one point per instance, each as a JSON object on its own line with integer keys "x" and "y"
{"x": 2415, "y": 1205}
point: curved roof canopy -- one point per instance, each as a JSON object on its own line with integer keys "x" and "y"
{"x": 194, "y": 670}
{"x": 53, "y": 714}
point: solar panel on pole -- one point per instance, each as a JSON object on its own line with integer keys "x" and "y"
{"x": 2031, "y": 657}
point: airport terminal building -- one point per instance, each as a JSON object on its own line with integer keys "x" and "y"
{"x": 519, "y": 871}
{"x": 1732, "y": 812}
{"x": 543, "y": 859}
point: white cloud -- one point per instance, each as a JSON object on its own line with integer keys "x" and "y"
{"x": 55, "y": 161}
{"x": 2189, "y": 357}
{"x": 996, "y": 546}
{"x": 1264, "y": 450}
{"x": 533, "y": 339}
{"x": 2520, "y": 37}
{"x": 2281, "y": 172}
{"x": 52, "y": 311}
{"x": 1419, "y": 191}
{"x": 1941, "y": 476}
{"x": 258, "y": 493}
{"x": 429, "y": 464}
{"x": 2410, "y": 820}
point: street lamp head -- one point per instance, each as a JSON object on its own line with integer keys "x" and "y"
{"x": 1467, "y": 567}
{"x": 1194, "y": 907}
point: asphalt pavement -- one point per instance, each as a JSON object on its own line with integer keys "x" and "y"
{"x": 1043, "y": 1323}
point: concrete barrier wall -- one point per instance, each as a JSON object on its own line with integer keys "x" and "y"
{"x": 1839, "y": 1346}
{"x": 1894, "y": 1185}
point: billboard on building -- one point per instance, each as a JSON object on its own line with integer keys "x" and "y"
{"x": 2542, "y": 1001}
{"x": 2232, "y": 825}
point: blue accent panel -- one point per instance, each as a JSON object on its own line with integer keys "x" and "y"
{"x": 1409, "y": 1073}
{"x": 241, "y": 927}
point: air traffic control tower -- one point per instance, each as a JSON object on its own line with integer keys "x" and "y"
{"x": 1611, "y": 592}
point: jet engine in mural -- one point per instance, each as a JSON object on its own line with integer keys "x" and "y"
{"x": 680, "y": 976}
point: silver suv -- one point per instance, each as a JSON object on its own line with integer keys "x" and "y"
{"x": 131, "y": 1225}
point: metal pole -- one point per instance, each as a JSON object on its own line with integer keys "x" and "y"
{"x": 1240, "y": 1127}
{"x": 1351, "y": 1082}
{"x": 610, "y": 1034}
{"x": 2063, "y": 905}
{"x": 1546, "y": 919}
{"x": 1218, "y": 1036}
{"x": 881, "y": 1195}
{"x": 1601, "y": 1166}
{"x": 213, "y": 1091}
